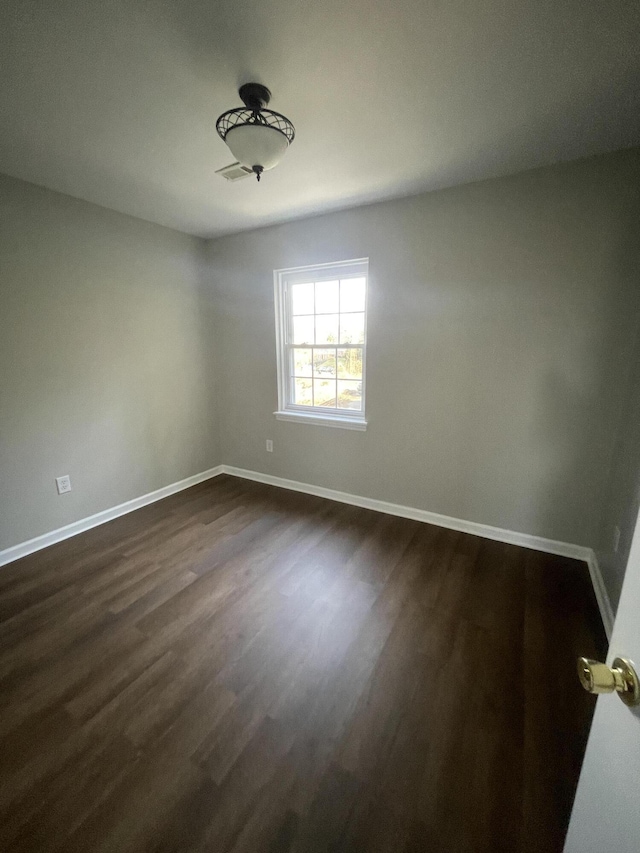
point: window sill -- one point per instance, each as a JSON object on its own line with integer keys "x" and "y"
{"x": 322, "y": 420}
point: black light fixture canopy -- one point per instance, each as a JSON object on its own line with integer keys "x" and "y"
{"x": 257, "y": 137}
{"x": 254, "y": 96}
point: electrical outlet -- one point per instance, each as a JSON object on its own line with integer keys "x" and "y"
{"x": 63, "y": 484}
{"x": 616, "y": 538}
{"x": 269, "y": 446}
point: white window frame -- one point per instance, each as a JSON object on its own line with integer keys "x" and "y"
{"x": 283, "y": 279}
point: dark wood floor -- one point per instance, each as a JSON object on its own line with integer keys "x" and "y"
{"x": 241, "y": 668}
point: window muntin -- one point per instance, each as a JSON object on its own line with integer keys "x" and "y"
{"x": 321, "y": 318}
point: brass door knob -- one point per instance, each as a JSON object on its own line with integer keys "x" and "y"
{"x": 621, "y": 678}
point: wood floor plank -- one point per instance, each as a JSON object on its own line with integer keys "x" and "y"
{"x": 243, "y": 669}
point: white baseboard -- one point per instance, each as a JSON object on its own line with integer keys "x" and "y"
{"x": 498, "y": 534}
{"x": 46, "y": 539}
{"x": 550, "y": 546}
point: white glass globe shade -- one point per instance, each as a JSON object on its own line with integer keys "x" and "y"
{"x": 257, "y": 145}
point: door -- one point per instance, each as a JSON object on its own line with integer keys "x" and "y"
{"x": 606, "y": 811}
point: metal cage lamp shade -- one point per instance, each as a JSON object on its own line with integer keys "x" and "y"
{"x": 258, "y": 138}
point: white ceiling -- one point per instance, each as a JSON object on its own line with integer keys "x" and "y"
{"x": 115, "y": 101}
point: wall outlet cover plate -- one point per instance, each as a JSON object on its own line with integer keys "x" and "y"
{"x": 63, "y": 484}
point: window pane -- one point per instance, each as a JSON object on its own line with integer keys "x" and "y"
{"x": 302, "y": 330}
{"x": 349, "y": 363}
{"x": 349, "y": 394}
{"x": 327, "y": 328}
{"x": 327, "y": 297}
{"x": 302, "y": 362}
{"x": 324, "y": 393}
{"x": 352, "y": 291}
{"x": 302, "y": 298}
{"x": 302, "y": 395}
{"x": 324, "y": 363}
{"x": 351, "y": 328}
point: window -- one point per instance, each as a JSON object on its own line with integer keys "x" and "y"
{"x": 321, "y": 327}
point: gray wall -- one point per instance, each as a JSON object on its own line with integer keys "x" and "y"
{"x": 502, "y": 325}
{"x": 105, "y": 359}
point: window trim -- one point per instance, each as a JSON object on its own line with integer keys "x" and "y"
{"x": 282, "y": 279}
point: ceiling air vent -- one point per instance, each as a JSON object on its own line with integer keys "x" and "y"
{"x": 234, "y": 172}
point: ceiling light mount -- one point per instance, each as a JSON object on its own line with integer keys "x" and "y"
{"x": 254, "y": 96}
{"x": 257, "y": 137}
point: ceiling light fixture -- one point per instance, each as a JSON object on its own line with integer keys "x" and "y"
{"x": 257, "y": 137}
